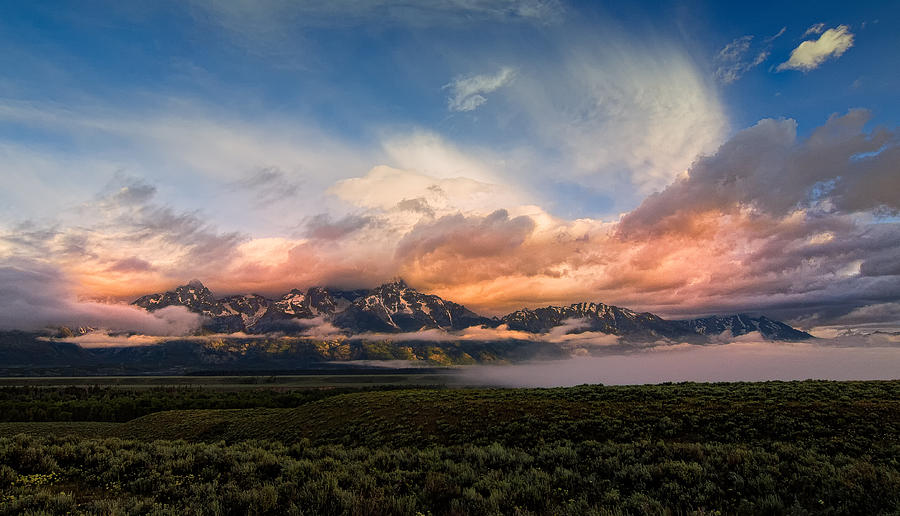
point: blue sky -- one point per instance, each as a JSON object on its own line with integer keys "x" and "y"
{"x": 259, "y": 119}
{"x": 356, "y": 70}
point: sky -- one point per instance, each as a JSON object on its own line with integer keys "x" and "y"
{"x": 685, "y": 158}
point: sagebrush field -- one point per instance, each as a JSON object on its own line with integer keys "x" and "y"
{"x": 738, "y": 448}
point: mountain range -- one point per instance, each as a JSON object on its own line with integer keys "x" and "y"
{"x": 395, "y": 307}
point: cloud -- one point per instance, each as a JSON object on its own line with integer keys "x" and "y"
{"x": 130, "y": 264}
{"x": 321, "y": 227}
{"x": 733, "y": 62}
{"x": 624, "y": 119}
{"x": 575, "y": 343}
{"x": 816, "y": 28}
{"x": 385, "y": 188}
{"x": 253, "y": 17}
{"x": 426, "y": 152}
{"x": 765, "y": 168}
{"x": 417, "y": 205}
{"x": 268, "y": 185}
{"x": 738, "y": 361}
{"x": 464, "y": 248}
{"x": 36, "y": 296}
{"x": 770, "y": 223}
{"x": 187, "y": 145}
{"x": 776, "y": 35}
{"x": 123, "y": 235}
{"x": 812, "y": 53}
{"x": 467, "y": 92}
{"x": 102, "y": 339}
{"x": 873, "y": 315}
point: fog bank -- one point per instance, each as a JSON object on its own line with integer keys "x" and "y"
{"x": 741, "y": 361}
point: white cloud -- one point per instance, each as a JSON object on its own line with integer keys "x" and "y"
{"x": 739, "y": 57}
{"x": 203, "y": 157}
{"x": 776, "y": 35}
{"x": 817, "y": 28}
{"x": 623, "y": 118}
{"x": 735, "y": 50}
{"x": 812, "y": 53}
{"x": 258, "y": 16}
{"x": 428, "y": 153}
{"x": 467, "y": 92}
{"x": 385, "y": 188}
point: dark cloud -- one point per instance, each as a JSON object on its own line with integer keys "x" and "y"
{"x": 124, "y": 190}
{"x": 268, "y": 185}
{"x": 456, "y": 249}
{"x": 417, "y": 205}
{"x": 131, "y": 264}
{"x": 466, "y": 237}
{"x": 321, "y": 227}
{"x": 765, "y": 170}
{"x": 793, "y": 228}
{"x": 886, "y": 263}
{"x": 876, "y": 314}
{"x": 34, "y": 296}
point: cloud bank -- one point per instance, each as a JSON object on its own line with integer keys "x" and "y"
{"x": 800, "y": 229}
{"x": 34, "y": 296}
{"x": 745, "y": 360}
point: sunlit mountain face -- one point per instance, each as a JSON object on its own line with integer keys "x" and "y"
{"x": 522, "y": 165}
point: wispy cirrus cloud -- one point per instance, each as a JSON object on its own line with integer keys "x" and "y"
{"x": 624, "y": 120}
{"x": 468, "y": 92}
{"x": 741, "y": 55}
{"x": 268, "y": 185}
{"x": 816, "y": 28}
{"x": 733, "y": 62}
{"x": 258, "y": 15}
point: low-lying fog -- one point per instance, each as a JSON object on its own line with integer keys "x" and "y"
{"x": 825, "y": 359}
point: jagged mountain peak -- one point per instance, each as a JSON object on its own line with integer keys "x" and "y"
{"x": 396, "y": 307}
{"x": 396, "y": 285}
{"x": 399, "y": 283}
{"x": 596, "y": 316}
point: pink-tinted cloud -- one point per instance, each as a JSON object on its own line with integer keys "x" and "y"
{"x": 34, "y": 296}
{"x": 799, "y": 228}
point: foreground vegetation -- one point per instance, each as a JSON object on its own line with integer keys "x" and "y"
{"x": 774, "y": 447}
{"x": 95, "y": 403}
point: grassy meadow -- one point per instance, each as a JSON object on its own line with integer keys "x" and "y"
{"x": 808, "y": 447}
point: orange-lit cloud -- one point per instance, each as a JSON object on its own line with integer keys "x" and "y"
{"x": 769, "y": 222}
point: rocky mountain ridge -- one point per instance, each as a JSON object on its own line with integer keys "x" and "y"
{"x": 397, "y": 308}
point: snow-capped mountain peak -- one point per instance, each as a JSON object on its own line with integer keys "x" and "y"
{"x": 397, "y": 307}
